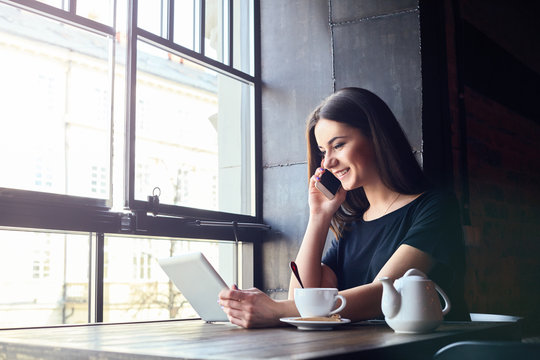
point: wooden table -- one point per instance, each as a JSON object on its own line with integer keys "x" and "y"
{"x": 194, "y": 339}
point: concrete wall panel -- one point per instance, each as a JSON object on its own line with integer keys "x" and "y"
{"x": 351, "y": 10}
{"x": 383, "y": 55}
{"x": 296, "y": 74}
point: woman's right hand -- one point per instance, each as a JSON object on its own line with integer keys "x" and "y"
{"x": 252, "y": 308}
{"x": 320, "y": 204}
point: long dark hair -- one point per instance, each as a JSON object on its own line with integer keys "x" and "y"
{"x": 397, "y": 166}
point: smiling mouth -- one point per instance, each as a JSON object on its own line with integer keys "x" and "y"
{"x": 341, "y": 173}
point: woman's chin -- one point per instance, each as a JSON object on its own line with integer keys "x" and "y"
{"x": 347, "y": 186}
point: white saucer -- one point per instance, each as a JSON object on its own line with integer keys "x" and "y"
{"x": 314, "y": 325}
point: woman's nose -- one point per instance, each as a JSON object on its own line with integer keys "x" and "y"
{"x": 328, "y": 162}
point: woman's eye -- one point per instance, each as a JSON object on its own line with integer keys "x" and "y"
{"x": 339, "y": 145}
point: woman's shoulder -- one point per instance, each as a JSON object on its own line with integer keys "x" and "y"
{"x": 436, "y": 196}
{"x": 436, "y": 200}
{"x": 432, "y": 202}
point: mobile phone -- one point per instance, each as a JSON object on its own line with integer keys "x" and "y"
{"x": 328, "y": 184}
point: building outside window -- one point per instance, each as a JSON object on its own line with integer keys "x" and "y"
{"x": 99, "y": 111}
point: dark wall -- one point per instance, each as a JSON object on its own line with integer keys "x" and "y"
{"x": 504, "y": 233}
{"x": 309, "y": 48}
{"x": 494, "y": 87}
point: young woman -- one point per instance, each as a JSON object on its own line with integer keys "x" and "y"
{"x": 384, "y": 217}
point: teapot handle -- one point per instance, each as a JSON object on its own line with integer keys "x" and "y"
{"x": 447, "y": 305}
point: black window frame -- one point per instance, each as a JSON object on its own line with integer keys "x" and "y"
{"x": 33, "y": 209}
{"x": 46, "y": 211}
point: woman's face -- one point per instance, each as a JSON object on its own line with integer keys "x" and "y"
{"x": 347, "y": 153}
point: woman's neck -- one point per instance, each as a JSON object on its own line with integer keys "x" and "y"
{"x": 383, "y": 200}
{"x": 378, "y": 194}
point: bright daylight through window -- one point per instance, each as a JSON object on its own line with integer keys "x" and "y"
{"x": 102, "y": 102}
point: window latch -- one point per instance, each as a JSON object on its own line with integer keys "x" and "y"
{"x": 153, "y": 201}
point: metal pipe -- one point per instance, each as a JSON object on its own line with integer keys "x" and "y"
{"x": 232, "y": 224}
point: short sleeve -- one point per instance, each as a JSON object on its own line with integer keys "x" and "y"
{"x": 330, "y": 258}
{"x": 436, "y": 228}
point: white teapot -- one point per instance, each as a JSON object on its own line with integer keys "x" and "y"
{"x": 411, "y": 305}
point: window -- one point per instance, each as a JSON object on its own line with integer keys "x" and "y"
{"x": 41, "y": 260}
{"x": 55, "y": 96}
{"x": 135, "y": 288}
{"x": 50, "y": 284}
{"x": 104, "y": 104}
{"x": 204, "y": 114}
{"x": 45, "y": 278}
{"x": 206, "y": 110}
{"x": 63, "y": 101}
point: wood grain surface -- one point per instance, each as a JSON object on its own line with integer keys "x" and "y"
{"x": 195, "y": 339}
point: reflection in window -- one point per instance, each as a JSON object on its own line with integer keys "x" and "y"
{"x": 99, "y": 181}
{"x": 41, "y": 258}
{"x": 243, "y": 35}
{"x": 208, "y": 122}
{"x": 136, "y": 288}
{"x": 55, "y": 101}
{"x": 61, "y": 4}
{"x": 215, "y": 29}
{"x": 43, "y": 174}
{"x": 152, "y": 15}
{"x": 186, "y": 24}
{"x": 97, "y": 10}
{"x": 45, "y": 278}
{"x": 50, "y": 285}
{"x": 182, "y": 185}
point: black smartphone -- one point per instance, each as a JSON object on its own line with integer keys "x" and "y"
{"x": 328, "y": 184}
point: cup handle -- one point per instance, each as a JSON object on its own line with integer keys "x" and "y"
{"x": 341, "y": 307}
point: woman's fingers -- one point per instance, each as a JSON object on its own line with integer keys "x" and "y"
{"x": 316, "y": 177}
{"x": 235, "y": 317}
{"x": 247, "y": 308}
{"x": 234, "y": 299}
{"x": 318, "y": 173}
{"x": 238, "y": 313}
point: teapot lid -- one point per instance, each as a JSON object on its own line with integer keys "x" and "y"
{"x": 415, "y": 274}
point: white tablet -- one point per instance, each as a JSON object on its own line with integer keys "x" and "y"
{"x": 198, "y": 281}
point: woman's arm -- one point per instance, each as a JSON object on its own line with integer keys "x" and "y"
{"x": 308, "y": 259}
{"x": 253, "y": 308}
{"x": 364, "y": 302}
{"x": 309, "y": 256}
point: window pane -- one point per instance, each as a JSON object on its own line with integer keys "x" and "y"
{"x": 44, "y": 278}
{"x": 215, "y": 21}
{"x": 97, "y": 10}
{"x": 194, "y": 135}
{"x": 135, "y": 286}
{"x": 55, "y": 103}
{"x": 61, "y": 4}
{"x": 243, "y": 35}
{"x": 152, "y": 16}
{"x": 186, "y": 23}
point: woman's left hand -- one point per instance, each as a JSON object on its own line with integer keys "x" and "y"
{"x": 250, "y": 308}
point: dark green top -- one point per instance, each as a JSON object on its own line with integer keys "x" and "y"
{"x": 430, "y": 223}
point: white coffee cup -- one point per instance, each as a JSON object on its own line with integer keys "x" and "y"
{"x": 315, "y": 302}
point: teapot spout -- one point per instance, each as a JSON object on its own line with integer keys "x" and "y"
{"x": 391, "y": 299}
